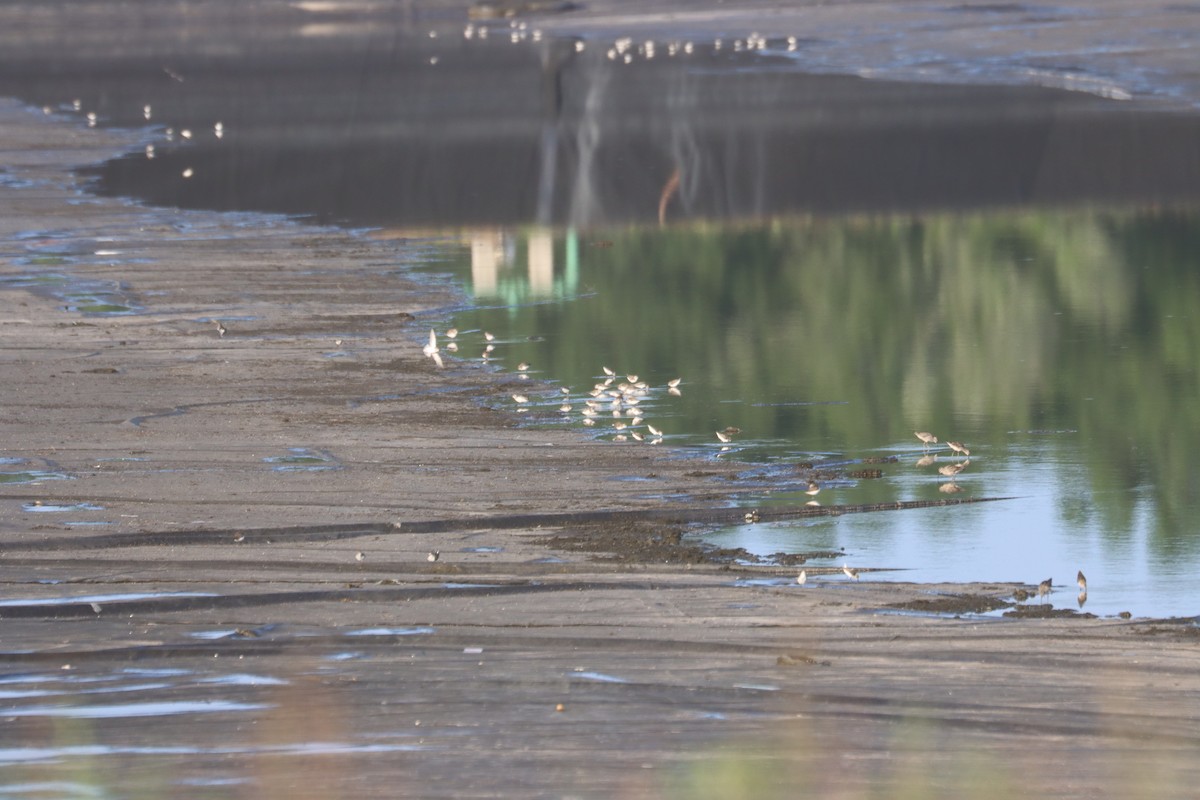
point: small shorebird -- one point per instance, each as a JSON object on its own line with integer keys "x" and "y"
{"x": 950, "y": 470}
{"x": 1081, "y": 579}
{"x": 653, "y": 430}
{"x": 522, "y": 367}
{"x": 489, "y": 336}
{"x": 926, "y": 438}
{"x": 724, "y": 437}
{"x": 958, "y": 447}
{"x": 434, "y": 555}
{"x": 359, "y": 556}
{"x": 221, "y": 329}
{"x": 751, "y": 516}
{"x": 851, "y": 573}
{"x": 1045, "y": 586}
{"x": 608, "y": 371}
{"x": 802, "y": 578}
{"x": 520, "y": 398}
{"x": 674, "y": 383}
{"x": 813, "y": 489}
{"x": 451, "y": 333}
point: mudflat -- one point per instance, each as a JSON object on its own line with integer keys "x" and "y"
{"x": 298, "y": 557}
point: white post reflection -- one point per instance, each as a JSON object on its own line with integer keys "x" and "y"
{"x": 488, "y": 254}
{"x": 541, "y": 263}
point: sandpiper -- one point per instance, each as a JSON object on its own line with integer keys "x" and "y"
{"x": 1045, "y": 586}
{"x": 608, "y": 371}
{"x": 489, "y": 336}
{"x": 451, "y": 333}
{"x": 674, "y": 383}
{"x": 958, "y": 447}
{"x": 520, "y": 398}
{"x": 724, "y": 437}
{"x": 813, "y": 489}
{"x": 434, "y": 555}
{"x": 802, "y": 578}
{"x": 950, "y": 470}
{"x": 851, "y": 573}
{"x": 1081, "y": 579}
{"x": 653, "y": 430}
{"x": 926, "y": 438}
{"x": 522, "y": 367}
{"x": 221, "y": 329}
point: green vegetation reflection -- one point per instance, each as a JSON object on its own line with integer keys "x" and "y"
{"x": 847, "y": 334}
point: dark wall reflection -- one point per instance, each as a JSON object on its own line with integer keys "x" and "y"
{"x": 403, "y": 130}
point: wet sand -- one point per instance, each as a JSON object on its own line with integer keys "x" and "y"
{"x": 288, "y": 633}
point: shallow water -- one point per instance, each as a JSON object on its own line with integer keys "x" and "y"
{"x": 829, "y": 264}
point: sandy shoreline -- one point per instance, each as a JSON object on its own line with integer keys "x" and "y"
{"x": 505, "y": 667}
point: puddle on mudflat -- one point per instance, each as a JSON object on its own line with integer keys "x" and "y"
{"x": 303, "y": 459}
{"x": 125, "y": 710}
{"x": 32, "y": 476}
{"x": 100, "y": 598}
{"x": 599, "y": 677}
{"x": 38, "y": 506}
{"x": 390, "y": 631}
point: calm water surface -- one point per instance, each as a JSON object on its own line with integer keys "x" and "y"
{"x": 829, "y": 264}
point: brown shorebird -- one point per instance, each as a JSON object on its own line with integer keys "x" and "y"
{"x": 926, "y": 438}
{"x": 1045, "y": 586}
{"x": 851, "y": 573}
{"x": 958, "y": 447}
{"x": 950, "y": 470}
{"x": 221, "y": 329}
{"x": 1081, "y": 579}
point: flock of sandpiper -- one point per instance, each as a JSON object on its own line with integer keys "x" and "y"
{"x": 621, "y": 399}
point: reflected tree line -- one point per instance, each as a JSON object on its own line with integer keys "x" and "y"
{"x": 1026, "y": 321}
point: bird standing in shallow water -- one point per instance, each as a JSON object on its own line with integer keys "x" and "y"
{"x": 958, "y": 447}
{"x": 926, "y": 438}
{"x": 813, "y": 489}
{"x": 802, "y": 578}
{"x": 1081, "y": 579}
{"x": 1045, "y": 586}
{"x": 852, "y": 574}
{"x": 221, "y": 329}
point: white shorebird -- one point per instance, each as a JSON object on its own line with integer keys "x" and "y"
{"x": 434, "y": 555}
{"x": 813, "y": 489}
{"x": 851, "y": 573}
{"x": 926, "y": 438}
{"x": 608, "y": 371}
{"x": 802, "y": 578}
{"x": 653, "y": 430}
{"x": 451, "y": 333}
{"x": 674, "y": 383}
{"x": 520, "y": 398}
{"x": 723, "y": 437}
